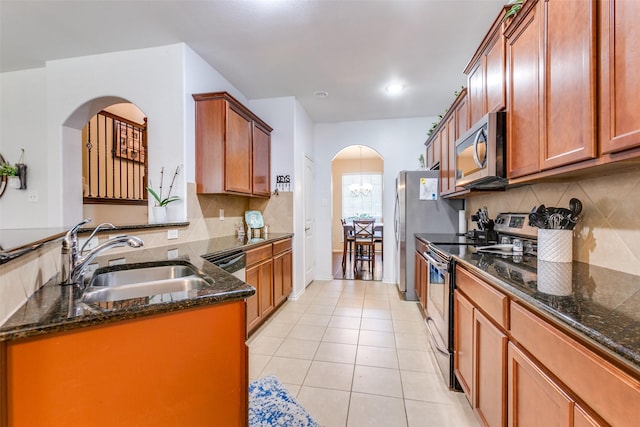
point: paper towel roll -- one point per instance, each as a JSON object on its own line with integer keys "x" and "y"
{"x": 462, "y": 221}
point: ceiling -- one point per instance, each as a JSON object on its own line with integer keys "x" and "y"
{"x": 272, "y": 48}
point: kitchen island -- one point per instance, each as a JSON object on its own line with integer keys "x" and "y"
{"x": 172, "y": 359}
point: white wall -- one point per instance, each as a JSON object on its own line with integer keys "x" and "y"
{"x": 23, "y": 125}
{"x": 398, "y": 141}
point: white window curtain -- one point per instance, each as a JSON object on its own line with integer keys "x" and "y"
{"x": 362, "y": 195}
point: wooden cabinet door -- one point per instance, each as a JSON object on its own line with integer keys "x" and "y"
{"x": 452, "y": 136}
{"x": 261, "y": 160}
{"x": 282, "y": 276}
{"x": 431, "y": 158}
{"x": 495, "y": 75}
{"x": 253, "y": 305}
{"x": 531, "y": 390}
{"x": 523, "y": 95}
{"x": 445, "y": 170}
{"x": 287, "y": 273}
{"x": 569, "y": 77}
{"x": 463, "y": 342}
{"x": 462, "y": 116}
{"x": 237, "y": 151}
{"x": 477, "y": 91}
{"x": 266, "y": 287}
{"x": 490, "y": 364}
{"x": 619, "y": 77}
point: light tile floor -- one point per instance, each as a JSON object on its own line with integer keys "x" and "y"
{"x": 354, "y": 354}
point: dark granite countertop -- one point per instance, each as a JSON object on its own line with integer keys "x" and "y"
{"x": 598, "y": 304}
{"x": 55, "y": 308}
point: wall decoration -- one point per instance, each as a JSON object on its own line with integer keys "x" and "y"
{"x": 129, "y": 143}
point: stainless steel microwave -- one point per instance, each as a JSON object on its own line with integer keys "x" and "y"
{"x": 481, "y": 153}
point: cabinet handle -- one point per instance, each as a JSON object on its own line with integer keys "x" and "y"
{"x": 477, "y": 141}
{"x": 433, "y": 338}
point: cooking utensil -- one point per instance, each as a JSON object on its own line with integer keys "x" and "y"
{"x": 575, "y": 206}
{"x": 536, "y": 221}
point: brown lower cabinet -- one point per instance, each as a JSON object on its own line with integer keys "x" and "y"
{"x": 519, "y": 369}
{"x": 270, "y": 271}
{"x": 480, "y": 350}
{"x": 183, "y": 368}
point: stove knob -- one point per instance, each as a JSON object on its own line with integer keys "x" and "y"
{"x": 500, "y": 220}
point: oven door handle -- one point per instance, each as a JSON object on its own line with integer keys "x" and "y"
{"x": 437, "y": 264}
{"x": 433, "y": 338}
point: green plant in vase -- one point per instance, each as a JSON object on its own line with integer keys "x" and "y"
{"x": 157, "y": 196}
{"x": 7, "y": 170}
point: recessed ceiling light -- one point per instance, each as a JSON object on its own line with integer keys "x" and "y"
{"x": 394, "y": 88}
{"x": 321, "y": 94}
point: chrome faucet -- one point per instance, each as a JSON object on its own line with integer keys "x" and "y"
{"x": 74, "y": 264}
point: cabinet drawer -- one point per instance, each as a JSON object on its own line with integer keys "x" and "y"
{"x": 610, "y": 392}
{"x": 259, "y": 254}
{"x": 495, "y": 304}
{"x": 281, "y": 246}
{"x": 420, "y": 246}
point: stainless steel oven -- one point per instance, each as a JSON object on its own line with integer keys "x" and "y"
{"x": 439, "y": 317}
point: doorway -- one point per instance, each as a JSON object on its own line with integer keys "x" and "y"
{"x": 357, "y": 190}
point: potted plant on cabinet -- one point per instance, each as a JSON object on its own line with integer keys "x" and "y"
{"x": 160, "y": 203}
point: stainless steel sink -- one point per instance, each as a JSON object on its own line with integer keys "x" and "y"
{"x": 143, "y": 281}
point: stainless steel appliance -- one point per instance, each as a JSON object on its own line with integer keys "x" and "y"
{"x": 233, "y": 263}
{"x": 417, "y": 212}
{"x": 480, "y": 153}
{"x": 440, "y": 255}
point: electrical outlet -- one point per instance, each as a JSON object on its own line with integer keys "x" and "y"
{"x": 32, "y": 196}
{"x": 117, "y": 261}
{"x": 172, "y": 254}
{"x": 172, "y": 234}
{"x": 221, "y": 214}
{"x": 93, "y": 243}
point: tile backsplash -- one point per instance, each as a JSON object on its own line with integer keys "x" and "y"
{"x": 608, "y": 233}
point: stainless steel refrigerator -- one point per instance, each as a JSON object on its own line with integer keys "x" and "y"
{"x": 419, "y": 209}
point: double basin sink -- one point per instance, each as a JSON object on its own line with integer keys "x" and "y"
{"x": 143, "y": 280}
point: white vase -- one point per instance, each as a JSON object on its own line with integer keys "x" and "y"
{"x": 158, "y": 215}
{"x": 14, "y": 182}
{"x": 555, "y": 245}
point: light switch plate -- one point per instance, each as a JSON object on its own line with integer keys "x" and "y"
{"x": 172, "y": 234}
{"x": 221, "y": 214}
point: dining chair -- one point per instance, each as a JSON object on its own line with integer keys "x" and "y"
{"x": 347, "y": 246}
{"x": 364, "y": 242}
{"x": 377, "y": 237}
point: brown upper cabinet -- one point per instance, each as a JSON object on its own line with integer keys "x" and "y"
{"x": 441, "y": 144}
{"x": 486, "y": 73}
{"x": 551, "y": 86}
{"x": 233, "y": 147}
{"x": 619, "y": 77}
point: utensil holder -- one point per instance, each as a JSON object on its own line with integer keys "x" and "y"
{"x": 555, "y": 245}
{"x": 555, "y": 278}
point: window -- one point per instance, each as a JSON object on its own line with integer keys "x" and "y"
{"x": 362, "y": 195}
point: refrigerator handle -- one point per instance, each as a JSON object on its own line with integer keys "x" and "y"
{"x": 396, "y": 219}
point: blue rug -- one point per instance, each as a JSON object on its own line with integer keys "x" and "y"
{"x": 270, "y": 404}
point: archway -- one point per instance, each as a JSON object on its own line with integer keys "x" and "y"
{"x": 357, "y": 190}
{"x": 73, "y": 209}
